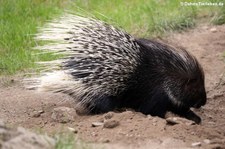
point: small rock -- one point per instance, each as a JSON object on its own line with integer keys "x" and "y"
{"x": 37, "y": 113}
{"x": 207, "y": 141}
{"x": 128, "y": 112}
{"x": 149, "y": 117}
{"x": 213, "y": 30}
{"x": 63, "y": 114}
{"x": 196, "y": 144}
{"x": 111, "y": 123}
{"x": 154, "y": 124}
{"x": 169, "y": 114}
{"x": 72, "y": 130}
{"x": 172, "y": 120}
{"x": 108, "y": 115}
{"x": 96, "y": 124}
{"x": 179, "y": 120}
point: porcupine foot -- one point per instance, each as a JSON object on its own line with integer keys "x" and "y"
{"x": 155, "y": 106}
{"x": 191, "y": 116}
{"x": 159, "y": 104}
{"x": 188, "y": 114}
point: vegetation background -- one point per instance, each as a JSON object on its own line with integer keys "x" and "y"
{"x": 20, "y": 19}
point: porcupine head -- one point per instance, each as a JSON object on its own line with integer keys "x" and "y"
{"x": 105, "y": 68}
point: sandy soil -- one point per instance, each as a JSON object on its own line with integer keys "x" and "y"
{"x": 135, "y": 130}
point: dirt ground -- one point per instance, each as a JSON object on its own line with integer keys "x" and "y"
{"x": 135, "y": 130}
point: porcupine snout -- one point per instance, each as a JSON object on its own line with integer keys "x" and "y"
{"x": 201, "y": 101}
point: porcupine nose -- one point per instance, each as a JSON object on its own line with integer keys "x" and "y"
{"x": 202, "y": 101}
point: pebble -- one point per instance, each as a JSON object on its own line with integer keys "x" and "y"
{"x": 72, "y": 130}
{"x": 149, "y": 117}
{"x": 179, "y": 120}
{"x": 108, "y": 115}
{"x": 196, "y": 144}
{"x": 207, "y": 141}
{"x": 37, "y": 113}
{"x": 63, "y": 114}
{"x": 96, "y": 124}
{"x": 172, "y": 121}
{"x": 111, "y": 123}
{"x": 213, "y": 30}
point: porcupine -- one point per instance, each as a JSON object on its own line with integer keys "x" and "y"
{"x": 104, "y": 68}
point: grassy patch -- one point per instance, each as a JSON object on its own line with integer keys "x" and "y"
{"x": 65, "y": 138}
{"x": 219, "y": 18}
{"x": 65, "y": 142}
{"x": 140, "y": 17}
{"x": 19, "y": 20}
{"x": 69, "y": 141}
{"x": 18, "y": 24}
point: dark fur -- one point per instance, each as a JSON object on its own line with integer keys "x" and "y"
{"x": 104, "y": 68}
{"x": 159, "y": 67}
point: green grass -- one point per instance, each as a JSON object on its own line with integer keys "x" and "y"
{"x": 65, "y": 138}
{"x": 69, "y": 140}
{"x": 140, "y": 17}
{"x": 150, "y": 18}
{"x": 19, "y": 20}
{"x": 219, "y": 18}
{"x": 18, "y": 23}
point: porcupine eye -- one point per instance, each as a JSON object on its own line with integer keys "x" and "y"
{"x": 195, "y": 93}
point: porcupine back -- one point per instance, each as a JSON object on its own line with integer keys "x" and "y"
{"x": 98, "y": 58}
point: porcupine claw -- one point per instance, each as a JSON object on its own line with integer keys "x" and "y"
{"x": 192, "y": 116}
